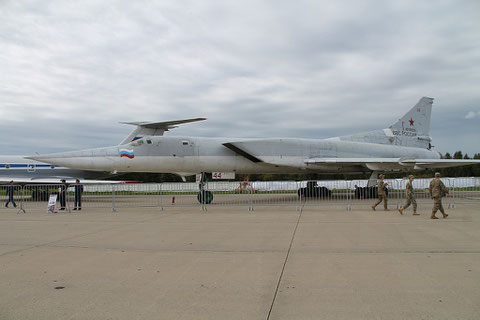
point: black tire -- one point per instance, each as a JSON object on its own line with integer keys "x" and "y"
{"x": 315, "y": 192}
{"x": 205, "y": 197}
{"x": 324, "y": 192}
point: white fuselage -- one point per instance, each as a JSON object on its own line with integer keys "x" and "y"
{"x": 193, "y": 155}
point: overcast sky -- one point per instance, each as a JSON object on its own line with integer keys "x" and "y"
{"x": 71, "y": 70}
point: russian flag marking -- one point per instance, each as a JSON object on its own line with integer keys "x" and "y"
{"x": 127, "y": 153}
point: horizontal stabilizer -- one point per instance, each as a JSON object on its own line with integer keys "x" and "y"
{"x": 145, "y": 128}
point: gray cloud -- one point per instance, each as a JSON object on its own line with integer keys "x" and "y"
{"x": 472, "y": 115}
{"x": 71, "y": 71}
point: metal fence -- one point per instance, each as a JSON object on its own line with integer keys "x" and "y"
{"x": 466, "y": 190}
{"x": 299, "y": 194}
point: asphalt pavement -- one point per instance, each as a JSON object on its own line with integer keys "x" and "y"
{"x": 229, "y": 263}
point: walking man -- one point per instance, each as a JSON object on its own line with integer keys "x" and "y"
{"x": 382, "y": 195}
{"x": 78, "y": 195}
{"x": 410, "y": 197}
{"x": 63, "y": 194}
{"x": 437, "y": 191}
{"x": 10, "y": 191}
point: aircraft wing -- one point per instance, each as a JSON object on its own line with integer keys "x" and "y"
{"x": 391, "y": 163}
{"x": 145, "y": 128}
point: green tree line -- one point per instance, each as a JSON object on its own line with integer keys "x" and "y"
{"x": 464, "y": 171}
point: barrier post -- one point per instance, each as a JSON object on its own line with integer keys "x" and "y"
{"x": 349, "y": 195}
{"x": 297, "y": 202}
{"x": 113, "y": 198}
{"x": 451, "y": 204}
{"x": 403, "y": 193}
{"x": 250, "y": 199}
{"x": 67, "y": 199}
{"x": 160, "y": 200}
{"x": 21, "y": 209}
{"x": 398, "y": 185}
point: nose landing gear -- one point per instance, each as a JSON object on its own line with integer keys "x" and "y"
{"x": 204, "y": 196}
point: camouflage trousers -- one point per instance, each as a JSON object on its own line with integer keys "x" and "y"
{"x": 437, "y": 205}
{"x": 381, "y": 198}
{"x": 410, "y": 201}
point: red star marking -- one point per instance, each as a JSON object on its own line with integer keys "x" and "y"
{"x": 411, "y": 121}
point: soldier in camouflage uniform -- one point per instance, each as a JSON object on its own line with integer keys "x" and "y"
{"x": 437, "y": 191}
{"x": 410, "y": 197}
{"x": 382, "y": 195}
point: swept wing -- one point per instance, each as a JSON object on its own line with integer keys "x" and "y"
{"x": 145, "y": 128}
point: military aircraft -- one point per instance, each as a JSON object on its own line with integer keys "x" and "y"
{"x": 403, "y": 146}
{"x": 23, "y": 171}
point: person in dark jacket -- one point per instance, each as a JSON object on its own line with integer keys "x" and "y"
{"x": 10, "y": 190}
{"x": 62, "y": 195}
{"x": 78, "y": 195}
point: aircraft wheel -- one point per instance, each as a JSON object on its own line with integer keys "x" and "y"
{"x": 300, "y": 193}
{"x": 205, "y": 197}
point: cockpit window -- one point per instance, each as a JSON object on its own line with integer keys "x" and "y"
{"x": 186, "y": 142}
{"x": 136, "y": 143}
{"x": 149, "y": 141}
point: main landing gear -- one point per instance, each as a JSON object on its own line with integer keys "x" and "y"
{"x": 204, "y": 196}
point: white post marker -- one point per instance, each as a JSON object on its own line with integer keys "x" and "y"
{"x": 52, "y": 204}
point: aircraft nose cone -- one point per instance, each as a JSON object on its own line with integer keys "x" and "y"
{"x": 90, "y": 159}
{"x": 61, "y": 159}
{"x": 47, "y": 157}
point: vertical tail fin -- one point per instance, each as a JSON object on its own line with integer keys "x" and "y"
{"x": 412, "y": 130}
{"x": 416, "y": 122}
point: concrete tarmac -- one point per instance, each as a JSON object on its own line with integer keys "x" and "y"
{"x": 228, "y": 263}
